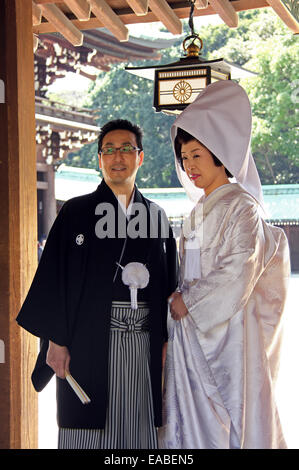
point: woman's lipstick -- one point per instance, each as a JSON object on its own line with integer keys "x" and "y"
{"x": 194, "y": 176}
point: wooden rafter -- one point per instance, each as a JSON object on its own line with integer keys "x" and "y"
{"x": 130, "y": 11}
{"x": 201, "y": 4}
{"x": 140, "y": 7}
{"x": 121, "y": 8}
{"x": 80, "y": 8}
{"x": 226, "y": 11}
{"x": 284, "y": 15}
{"x": 36, "y": 14}
{"x": 110, "y": 20}
{"x": 166, "y": 15}
{"x": 55, "y": 16}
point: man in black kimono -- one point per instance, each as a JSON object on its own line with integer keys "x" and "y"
{"x": 84, "y": 314}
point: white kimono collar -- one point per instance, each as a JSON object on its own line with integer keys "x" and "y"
{"x": 127, "y": 210}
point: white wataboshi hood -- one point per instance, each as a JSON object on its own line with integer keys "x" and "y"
{"x": 220, "y": 118}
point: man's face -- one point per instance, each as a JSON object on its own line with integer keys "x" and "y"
{"x": 120, "y": 168}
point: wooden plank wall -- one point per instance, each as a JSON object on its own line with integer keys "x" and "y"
{"x": 18, "y": 227}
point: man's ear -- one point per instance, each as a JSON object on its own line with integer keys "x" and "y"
{"x": 100, "y": 161}
{"x": 141, "y": 157}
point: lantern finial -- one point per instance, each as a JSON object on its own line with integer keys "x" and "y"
{"x": 193, "y": 50}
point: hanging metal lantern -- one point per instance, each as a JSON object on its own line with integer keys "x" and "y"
{"x": 177, "y": 84}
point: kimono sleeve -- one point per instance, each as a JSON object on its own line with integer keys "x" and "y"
{"x": 172, "y": 263}
{"x": 43, "y": 312}
{"x": 239, "y": 263}
{"x": 171, "y": 268}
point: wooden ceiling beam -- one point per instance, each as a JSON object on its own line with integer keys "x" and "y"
{"x": 166, "y": 15}
{"x": 284, "y": 15}
{"x": 140, "y": 7}
{"x": 109, "y": 19}
{"x": 80, "y": 8}
{"x": 40, "y": 2}
{"x": 182, "y": 10}
{"x": 36, "y": 14}
{"x": 62, "y": 24}
{"x": 201, "y": 4}
{"x": 226, "y": 11}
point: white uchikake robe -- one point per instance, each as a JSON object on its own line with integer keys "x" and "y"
{"x": 222, "y": 358}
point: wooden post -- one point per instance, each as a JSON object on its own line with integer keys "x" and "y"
{"x": 49, "y": 200}
{"x": 18, "y": 226}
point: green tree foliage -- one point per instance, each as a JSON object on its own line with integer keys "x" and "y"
{"x": 119, "y": 94}
{"x": 123, "y": 95}
{"x": 274, "y": 96}
{"x": 261, "y": 43}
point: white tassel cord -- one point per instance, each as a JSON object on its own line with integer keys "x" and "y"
{"x": 133, "y": 292}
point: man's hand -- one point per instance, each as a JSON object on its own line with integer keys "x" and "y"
{"x": 58, "y": 358}
{"x": 178, "y": 309}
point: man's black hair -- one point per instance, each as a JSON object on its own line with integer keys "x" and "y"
{"x": 121, "y": 124}
{"x": 183, "y": 137}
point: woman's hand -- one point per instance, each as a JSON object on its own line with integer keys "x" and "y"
{"x": 178, "y": 309}
{"x": 58, "y": 358}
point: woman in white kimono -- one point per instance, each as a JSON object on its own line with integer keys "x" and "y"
{"x": 225, "y": 331}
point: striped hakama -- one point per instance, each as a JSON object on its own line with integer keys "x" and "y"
{"x": 130, "y": 415}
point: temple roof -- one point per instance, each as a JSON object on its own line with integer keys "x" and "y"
{"x": 63, "y": 128}
{"x": 100, "y": 48}
{"x": 55, "y": 56}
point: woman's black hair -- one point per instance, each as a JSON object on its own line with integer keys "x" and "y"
{"x": 183, "y": 137}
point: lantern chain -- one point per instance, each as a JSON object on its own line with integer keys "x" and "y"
{"x": 191, "y": 24}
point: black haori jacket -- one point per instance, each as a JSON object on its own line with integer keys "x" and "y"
{"x": 69, "y": 301}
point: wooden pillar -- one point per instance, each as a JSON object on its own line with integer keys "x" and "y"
{"x": 49, "y": 200}
{"x": 18, "y": 226}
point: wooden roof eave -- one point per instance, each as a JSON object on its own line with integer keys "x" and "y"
{"x": 71, "y": 17}
{"x": 61, "y": 124}
{"x": 99, "y": 50}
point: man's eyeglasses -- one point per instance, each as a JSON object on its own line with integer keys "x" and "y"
{"x": 123, "y": 149}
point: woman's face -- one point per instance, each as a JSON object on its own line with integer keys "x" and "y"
{"x": 199, "y": 165}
